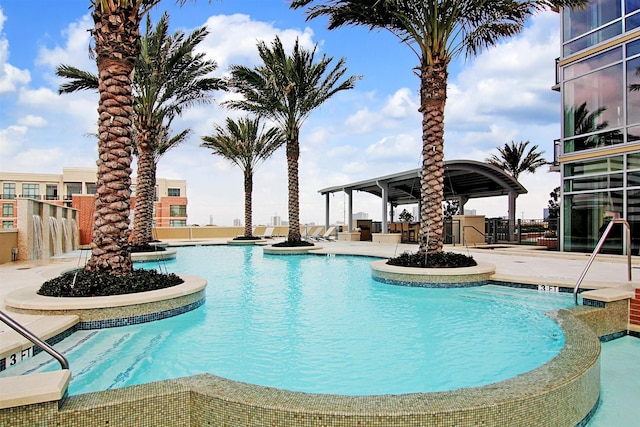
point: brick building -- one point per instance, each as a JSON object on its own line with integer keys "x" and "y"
{"x": 76, "y": 188}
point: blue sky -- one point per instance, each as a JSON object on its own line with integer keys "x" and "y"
{"x": 502, "y": 95}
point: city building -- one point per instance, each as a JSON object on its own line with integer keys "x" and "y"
{"x": 76, "y": 188}
{"x": 598, "y": 154}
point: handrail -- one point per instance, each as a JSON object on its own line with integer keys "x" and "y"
{"x": 464, "y": 236}
{"x": 597, "y": 249}
{"x": 64, "y": 363}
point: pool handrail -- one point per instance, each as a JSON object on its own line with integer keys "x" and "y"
{"x": 597, "y": 249}
{"x": 13, "y": 324}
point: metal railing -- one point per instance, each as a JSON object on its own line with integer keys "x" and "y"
{"x": 597, "y": 249}
{"x": 464, "y": 234}
{"x": 64, "y": 363}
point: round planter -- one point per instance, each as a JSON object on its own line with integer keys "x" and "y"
{"x": 154, "y": 256}
{"x": 298, "y": 250}
{"x": 432, "y": 277}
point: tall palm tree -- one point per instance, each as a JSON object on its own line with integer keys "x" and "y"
{"x": 246, "y": 144}
{"x": 286, "y": 89}
{"x": 515, "y": 159}
{"x": 168, "y": 78}
{"x": 116, "y": 34}
{"x": 437, "y": 31}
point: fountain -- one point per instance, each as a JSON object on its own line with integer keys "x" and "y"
{"x": 45, "y": 229}
{"x": 55, "y": 237}
{"x": 37, "y": 237}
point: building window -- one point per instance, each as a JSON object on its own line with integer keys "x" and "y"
{"x": 92, "y": 188}
{"x": 173, "y": 192}
{"x": 177, "y": 210}
{"x": 7, "y": 209}
{"x": 600, "y": 20}
{"x": 73, "y": 188}
{"x": 7, "y": 224}
{"x": 177, "y": 223}
{"x": 31, "y": 190}
{"x": 9, "y": 190}
{"x": 52, "y": 192}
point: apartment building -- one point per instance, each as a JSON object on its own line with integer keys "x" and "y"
{"x": 76, "y": 188}
{"x": 598, "y": 76}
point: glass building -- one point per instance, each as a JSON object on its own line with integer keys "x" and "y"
{"x": 599, "y": 149}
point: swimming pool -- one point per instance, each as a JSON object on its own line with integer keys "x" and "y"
{"x": 320, "y": 324}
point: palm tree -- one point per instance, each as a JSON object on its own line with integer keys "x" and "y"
{"x": 515, "y": 159}
{"x": 169, "y": 77}
{"x": 116, "y": 34}
{"x": 286, "y": 89}
{"x": 437, "y": 31}
{"x": 246, "y": 144}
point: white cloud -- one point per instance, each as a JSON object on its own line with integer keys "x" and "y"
{"x": 32, "y": 121}
{"x": 232, "y": 39}
{"x": 11, "y": 139}
{"x": 75, "y": 50}
{"x": 10, "y": 77}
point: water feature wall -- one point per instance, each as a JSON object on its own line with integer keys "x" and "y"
{"x": 45, "y": 229}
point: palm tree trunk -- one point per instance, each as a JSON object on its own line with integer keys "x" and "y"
{"x": 433, "y": 96}
{"x": 116, "y": 35}
{"x": 248, "y": 190}
{"x": 293, "y": 153}
{"x": 145, "y": 189}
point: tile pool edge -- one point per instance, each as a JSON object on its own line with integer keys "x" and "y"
{"x": 110, "y": 308}
{"x": 562, "y": 392}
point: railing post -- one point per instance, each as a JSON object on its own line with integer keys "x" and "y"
{"x": 64, "y": 363}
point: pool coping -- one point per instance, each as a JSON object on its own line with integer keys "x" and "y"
{"x": 431, "y": 277}
{"x": 562, "y": 392}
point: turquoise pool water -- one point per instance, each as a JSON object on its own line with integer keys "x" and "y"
{"x": 320, "y": 324}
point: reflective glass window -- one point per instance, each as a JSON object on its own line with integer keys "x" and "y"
{"x": 594, "y": 102}
{"x": 592, "y": 39}
{"x": 597, "y": 61}
{"x": 596, "y": 14}
{"x": 633, "y": 161}
{"x": 8, "y": 190}
{"x": 631, "y": 5}
{"x": 633, "y": 179}
{"x": 585, "y": 218}
{"x": 633, "y": 91}
{"x": 594, "y": 182}
{"x": 632, "y": 22}
{"x": 633, "y": 48}
{"x": 588, "y": 167}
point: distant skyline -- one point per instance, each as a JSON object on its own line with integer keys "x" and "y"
{"x": 502, "y": 95}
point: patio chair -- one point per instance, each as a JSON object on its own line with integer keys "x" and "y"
{"x": 268, "y": 233}
{"x": 328, "y": 235}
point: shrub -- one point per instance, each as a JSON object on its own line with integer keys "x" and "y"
{"x": 292, "y": 244}
{"x": 92, "y": 284}
{"x": 439, "y": 260}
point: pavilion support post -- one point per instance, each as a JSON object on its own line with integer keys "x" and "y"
{"x": 512, "y": 214}
{"x": 349, "y": 209}
{"x": 326, "y": 211}
{"x": 384, "y": 186}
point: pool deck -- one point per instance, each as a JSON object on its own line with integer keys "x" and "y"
{"x": 518, "y": 264}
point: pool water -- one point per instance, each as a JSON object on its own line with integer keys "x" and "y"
{"x": 320, "y": 324}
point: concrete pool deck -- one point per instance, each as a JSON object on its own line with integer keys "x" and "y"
{"x": 517, "y": 264}
{"x": 512, "y": 264}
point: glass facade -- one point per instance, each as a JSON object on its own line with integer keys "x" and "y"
{"x": 601, "y": 110}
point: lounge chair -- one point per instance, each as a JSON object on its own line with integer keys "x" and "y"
{"x": 268, "y": 233}
{"x": 328, "y": 235}
{"x": 316, "y": 234}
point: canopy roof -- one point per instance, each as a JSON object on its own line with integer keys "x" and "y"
{"x": 463, "y": 178}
